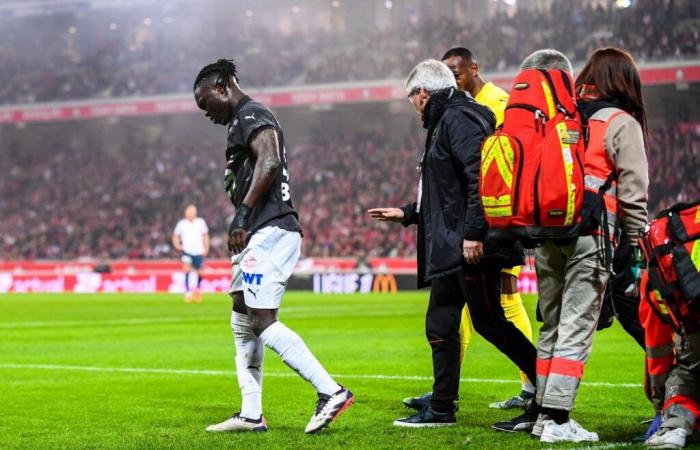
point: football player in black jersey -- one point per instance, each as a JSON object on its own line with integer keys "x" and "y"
{"x": 265, "y": 239}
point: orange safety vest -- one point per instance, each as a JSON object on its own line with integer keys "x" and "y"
{"x": 598, "y": 167}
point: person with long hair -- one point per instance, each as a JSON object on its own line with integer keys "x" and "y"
{"x": 572, "y": 275}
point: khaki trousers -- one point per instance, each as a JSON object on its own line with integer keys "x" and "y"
{"x": 571, "y": 280}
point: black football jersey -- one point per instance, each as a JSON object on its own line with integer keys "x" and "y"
{"x": 275, "y": 207}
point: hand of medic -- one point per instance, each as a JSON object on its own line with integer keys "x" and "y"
{"x": 636, "y": 268}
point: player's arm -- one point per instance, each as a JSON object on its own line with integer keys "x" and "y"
{"x": 205, "y": 237}
{"x": 177, "y": 244}
{"x": 465, "y": 145}
{"x": 265, "y": 148}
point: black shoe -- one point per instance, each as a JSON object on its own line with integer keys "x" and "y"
{"x": 422, "y": 402}
{"x": 418, "y": 403}
{"x": 523, "y": 422}
{"x": 428, "y": 418}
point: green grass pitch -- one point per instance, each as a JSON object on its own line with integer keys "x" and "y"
{"x": 148, "y": 371}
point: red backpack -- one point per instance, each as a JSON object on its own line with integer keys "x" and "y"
{"x": 671, "y": 244}
{"x": 532, "y": 172}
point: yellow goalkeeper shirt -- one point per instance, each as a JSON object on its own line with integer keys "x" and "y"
{"x": 495, "y": 98}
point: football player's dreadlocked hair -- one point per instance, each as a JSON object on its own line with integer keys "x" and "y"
{"x": 224, "y": 68}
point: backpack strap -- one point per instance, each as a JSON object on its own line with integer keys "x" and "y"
{"x": 567, "y": 82}
{"x": 653, "y": 283}
{"x": 679, "y": 207}
{"x": 676, "y": 228}
{"x": 557, "y": 103}
{"x": 589, "y": 109}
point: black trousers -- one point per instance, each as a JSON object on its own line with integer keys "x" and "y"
{"x": 480, "y": 287}
{"x": 626, "y": 309}
{"x": 616, "y": 303}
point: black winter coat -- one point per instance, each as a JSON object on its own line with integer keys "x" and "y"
{"x": 450, "y": 209}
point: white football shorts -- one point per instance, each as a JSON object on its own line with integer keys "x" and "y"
{"x": 261, "y": 271}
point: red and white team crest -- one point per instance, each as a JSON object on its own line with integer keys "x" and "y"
{"x": 249, "y": 262}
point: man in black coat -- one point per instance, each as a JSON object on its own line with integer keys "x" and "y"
{"x": 454, "y": 258}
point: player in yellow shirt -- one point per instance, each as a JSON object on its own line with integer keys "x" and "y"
{"x": 463, "y": 64}
{"x": 466, "y": 70}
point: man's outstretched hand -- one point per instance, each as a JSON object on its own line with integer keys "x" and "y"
{"x": 387, "y": 214}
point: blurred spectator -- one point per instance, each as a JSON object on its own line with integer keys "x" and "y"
{"x": 674, "y": 165}
{"x": 87, "y": 55}
{"x": 124, "y": 201}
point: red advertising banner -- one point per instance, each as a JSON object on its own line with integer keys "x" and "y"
{"x": 321, "y": 282}
{"x": 90, "y": 282}
{"x": 341, "y": 93}
{"x": 132, "y": 266}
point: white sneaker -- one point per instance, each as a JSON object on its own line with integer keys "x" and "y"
{"x": 328, "y": 409}
{"x": 667, "y": 438}
{"x": 537, "y": 427}
{"x": 238, "y": 423}
{"x": 569, "y": 431}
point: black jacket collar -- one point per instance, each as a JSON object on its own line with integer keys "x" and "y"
{"x": 588, "y": 108}
{"x": 437, "y": 103}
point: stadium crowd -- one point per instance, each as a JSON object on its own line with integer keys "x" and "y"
{"x": 126, "y": 202}
{"x": 132, "y": 214}
{"x": 674, "y": 165}
{"x": 76, "y": 58}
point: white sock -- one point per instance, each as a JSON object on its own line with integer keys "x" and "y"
{"x": 196, "y": 280}
{"x": 298, "y": 357}
{"x": 249, "y": 365}
{"x": 528, "y": 387}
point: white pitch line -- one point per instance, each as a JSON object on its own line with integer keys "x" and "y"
{"x": 282, "y": 374}
{"x": 72, "y": 323}
{"x": 292, "y": 313}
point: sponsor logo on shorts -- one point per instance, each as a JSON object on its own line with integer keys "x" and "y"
{"x": 250, "y": 262}
{"x": 252, "y": 278}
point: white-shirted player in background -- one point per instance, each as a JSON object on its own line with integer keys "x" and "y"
{"x": 191, "y": 239}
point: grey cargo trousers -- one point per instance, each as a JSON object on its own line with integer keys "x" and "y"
{"x": 683, "y": 384}
{"x": 571, "y": 280}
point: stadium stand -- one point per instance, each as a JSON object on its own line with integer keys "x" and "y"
{"x": 126, "y": 201}
{"x": 118, "y": 53}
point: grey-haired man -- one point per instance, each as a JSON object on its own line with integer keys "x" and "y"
{"x": 454, "y": 258}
